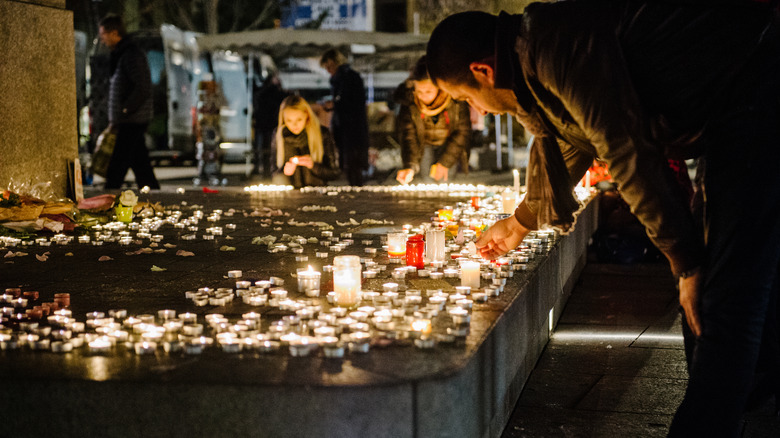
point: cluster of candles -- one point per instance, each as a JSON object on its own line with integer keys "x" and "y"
{"x": 335, "y": 326}
{"x": 345, "y": 319}
{"x": 435, "y": 190}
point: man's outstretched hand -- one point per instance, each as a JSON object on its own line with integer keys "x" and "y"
{"x": 504, "y": 236}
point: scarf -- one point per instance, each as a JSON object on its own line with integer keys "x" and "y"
{"x": 437, "y": 106}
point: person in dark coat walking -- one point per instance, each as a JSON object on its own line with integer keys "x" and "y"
{"x": 432, "y": 129}
{"x": 633, "y": 83}
{"x": 350, "y": 120}
{"x": 303, "y": 151}
{"x": 129, "y": 106}
{"x": 267, "y": 99}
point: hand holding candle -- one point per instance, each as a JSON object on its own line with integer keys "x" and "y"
{"x": 501, "y": 238}
{"x": 405, "y": 176}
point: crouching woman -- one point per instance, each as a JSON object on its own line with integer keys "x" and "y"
{"x": 305, "y": 152}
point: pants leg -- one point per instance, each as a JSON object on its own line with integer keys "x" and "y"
{"x": 139, "y": 158}
{"x": 120, "y": 160}
{"x": 354, "y": 169}
{"x": 742, "y": 193}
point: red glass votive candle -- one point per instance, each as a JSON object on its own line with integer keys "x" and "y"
{"x": 415, "y": 249}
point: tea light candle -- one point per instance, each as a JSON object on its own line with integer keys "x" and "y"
{"x": 359, "y": 342}
{"x": 463, "y": 290}
{"x": 465, "y": 303}
{"x": 340, "y": 312}
{"x": 437, "y": 275}
{"x": 144, "y": 347}
{"x": 235, "y": 274}
{"x": 331, "y": 348}
{"x": 101, "y": 344}
{"x": 302, "y": 346}
{"x": 437, "y": 301}
{"x": 422, "y": 327}
{"x": 390, "y": 287}
{"x": 450, "y": 272}
{"x": 309, "y": 280}
{"x": 61, "y": 347}
{"x": 479, "y": 297}
{"x": 469, "y": 274}
{"x": 460, "y": 316}
{"x": 455, "y": 297}
{"x": 425, "y": 343}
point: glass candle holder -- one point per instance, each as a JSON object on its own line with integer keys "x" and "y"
{"x": 396, "y": 244}
{"x": 434, "y": 246}
{"x": 415, "y": 248}
{"x": 469, "y": 274}
{"x": 508, "y": 201}
{"x": 346, "y": 281}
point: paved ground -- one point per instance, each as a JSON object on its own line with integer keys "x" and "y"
{"x": 615, "y": 366}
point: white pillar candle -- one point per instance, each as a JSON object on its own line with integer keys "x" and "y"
{"x": 346, "y": 280}
{"x": 469, "y": 274}
{"x": 516, "y": 175}
{"x": 434, "y": 246}
{"x": 508, "y": 201}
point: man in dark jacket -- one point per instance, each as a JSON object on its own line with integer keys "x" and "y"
{"x": 432, "y": 129}
{"x": 267, "y": 99}
{"x": 632, "y": 83}
{"x": 349, "y": 123}
{"x": 129, "y": 106}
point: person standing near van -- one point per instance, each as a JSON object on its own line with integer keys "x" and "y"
{"x": 129, "y": 105}
{"x": 350, "y": 121}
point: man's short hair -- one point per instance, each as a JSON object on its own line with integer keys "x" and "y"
{"x": 114, "y": 22}
{"x": 457, "y": 41}
{"x": 333, "y": 55}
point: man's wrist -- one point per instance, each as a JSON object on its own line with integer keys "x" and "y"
{"x": 689, "y": 273}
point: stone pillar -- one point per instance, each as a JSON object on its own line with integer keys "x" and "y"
{"x": 38, "y": 102}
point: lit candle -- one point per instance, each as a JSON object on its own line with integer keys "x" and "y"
{"x": 445, "y": 214}
{"x": 143, "y": 347}
{"x": 460, "y": 316}
{"x": 308, "y": 280}
{"x": 396, "y": 244}
{"x": 469, "y": 273}
{"x": 421, "y": 327}
{"x": 516, "y": 175}
{"x": 100, "y": 345}
{"x": 508, "y": 201}
{"x": 346, "y": 280}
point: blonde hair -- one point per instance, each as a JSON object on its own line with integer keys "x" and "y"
{"x": 316, "y": 150}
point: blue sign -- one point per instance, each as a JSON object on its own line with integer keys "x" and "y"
{"x": 342, "y": 14}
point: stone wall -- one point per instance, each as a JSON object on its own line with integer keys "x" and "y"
{"x": 38, "y": 105}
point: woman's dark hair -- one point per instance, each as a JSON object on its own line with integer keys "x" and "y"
{"x": 457, "y": 41}
{"x": 420, "y": 70}
{"x": 114, "y": 22}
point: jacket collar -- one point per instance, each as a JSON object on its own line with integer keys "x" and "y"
{"x": 508, "y": 71}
